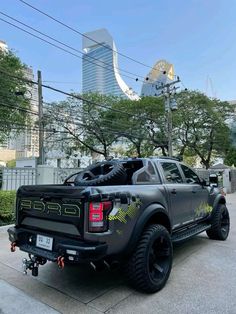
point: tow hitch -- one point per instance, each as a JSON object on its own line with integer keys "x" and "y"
{"x": 60, "y": 262}
{"x": 33, "y": 264}
{"x": 13, "y": 246}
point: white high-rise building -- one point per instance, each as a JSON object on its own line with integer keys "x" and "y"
{"x": 3, "y": 45}
{"x": 25, "y": 143}
{"x": 100, "y": 66}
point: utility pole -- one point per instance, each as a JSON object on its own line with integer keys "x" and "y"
{"x": 169, "y": 121}
{"x": 41, "y": 122}
{"x": 168, "y": 108}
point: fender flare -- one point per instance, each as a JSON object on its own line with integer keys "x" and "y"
{"x": 220, "y": 199}
{"x": 146, "y": 215}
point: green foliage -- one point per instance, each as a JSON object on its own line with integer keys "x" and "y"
{"x": 1, "y": 176}
{"x": 11, "y": 163}
{"x": 85, "y": 123}
{"x": 99, "y": 131}
{"x": 141, "y": 123}
{"x": 200, "y": 126}
{"x": 12, "y": 95}
{"x": 7, "y": 210}
{"x": 230, "y": 158}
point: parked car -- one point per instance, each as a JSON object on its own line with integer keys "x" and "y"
{"x": 121, "y": 211}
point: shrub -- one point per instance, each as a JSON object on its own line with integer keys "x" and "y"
{"x": 7, "y": 207}
{"x": 1, "y": 177}
{"x": 11, "y": 163}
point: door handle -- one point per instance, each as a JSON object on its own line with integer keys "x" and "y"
{"x": 173, "y": 191}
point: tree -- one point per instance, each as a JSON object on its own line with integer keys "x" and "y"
{"x": 103, "y": 123}
{"x": 14, "y": 105}
{"x": 230, "y": 158}
{"x": 84, "y": 123}
{"x": 128, "y": 121}
{"x": 142, "y": 123}
{"x": 200, "y": 126}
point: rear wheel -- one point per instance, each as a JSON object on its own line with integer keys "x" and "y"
{"x": 150, "y": 265}
{"x": 220, "y": 224}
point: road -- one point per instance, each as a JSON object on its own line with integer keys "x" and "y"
{"x": 203, "y": 280}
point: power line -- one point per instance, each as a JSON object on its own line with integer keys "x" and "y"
{"x": 16, "y": 99}
{"x": 135, "y": 78}
{"x": 68, "y": 46}
{"x": 77, "y": 123}
{"x": 91, "y": 102}
{"x": 72, "y": 111}
{"x": 81, "y": 34}
{"x": 18, "y": 108}
{"x": 76, "y": 96}
{"x": 105, "y": 129}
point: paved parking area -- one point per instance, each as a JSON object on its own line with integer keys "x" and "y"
{"x": 203, "y": 280}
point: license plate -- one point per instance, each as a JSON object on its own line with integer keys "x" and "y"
{"x": 44, "y": 242}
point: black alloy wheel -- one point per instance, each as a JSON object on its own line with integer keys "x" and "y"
{"x": 149, "y": 267}
{"x": 220, "y": 223}
{"x": 159, "y": 259}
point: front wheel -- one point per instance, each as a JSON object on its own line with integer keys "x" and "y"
{"x": 220, "y": 224}
{"x": 150, "y": 265}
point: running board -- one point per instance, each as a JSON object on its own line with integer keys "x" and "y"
{"x": 189, "y": 232}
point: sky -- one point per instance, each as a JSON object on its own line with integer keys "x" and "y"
{"x": 197, "y": 36}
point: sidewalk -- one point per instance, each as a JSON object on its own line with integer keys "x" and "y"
{"x": 15, "y": 301}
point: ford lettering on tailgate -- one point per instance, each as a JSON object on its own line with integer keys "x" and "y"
{"x": 51, "y": 208}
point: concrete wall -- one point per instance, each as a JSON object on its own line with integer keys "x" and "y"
{"x": 26, "y": 162}
{"x": 233, "y": 180}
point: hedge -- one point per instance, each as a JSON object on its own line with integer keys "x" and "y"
{"x": 7, "y": 207}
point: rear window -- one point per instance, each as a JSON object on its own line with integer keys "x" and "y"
{"x": 147, "y": 175}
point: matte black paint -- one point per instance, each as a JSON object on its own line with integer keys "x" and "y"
{"x": 177, "y": 201}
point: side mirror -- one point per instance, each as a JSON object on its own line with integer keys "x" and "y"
{"x": 213, "y": 178}
{"x": 205, "y": 182}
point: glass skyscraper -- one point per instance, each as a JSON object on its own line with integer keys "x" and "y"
{"x": 100, "y": 66}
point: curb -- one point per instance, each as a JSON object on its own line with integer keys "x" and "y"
{"x": 4, "y": 228}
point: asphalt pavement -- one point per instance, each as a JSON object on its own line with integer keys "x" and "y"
{"x": 203, "y": 280}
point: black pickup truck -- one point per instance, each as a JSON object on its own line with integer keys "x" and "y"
{"x": 127, "y": 211}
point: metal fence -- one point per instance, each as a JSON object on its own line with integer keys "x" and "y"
{"x": 13, "y": 178}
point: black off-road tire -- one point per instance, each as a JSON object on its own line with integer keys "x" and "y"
{"x": 102, "y": 173}
{"x": 220, "y": 224}
{"x": 149, "y": 267}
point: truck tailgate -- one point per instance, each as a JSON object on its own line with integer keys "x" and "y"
{"x": 56, "y": 208}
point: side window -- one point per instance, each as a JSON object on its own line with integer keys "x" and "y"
{"x": 171, "y": 172}
{"x": 151, "y": 168}
{"x": 147, "y": 175}
{"x": 191, "y": 177}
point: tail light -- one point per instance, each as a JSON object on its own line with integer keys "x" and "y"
{"x": 98, "y": 213}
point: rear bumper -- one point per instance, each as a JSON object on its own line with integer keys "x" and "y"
{"x": 75, "y": 251}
